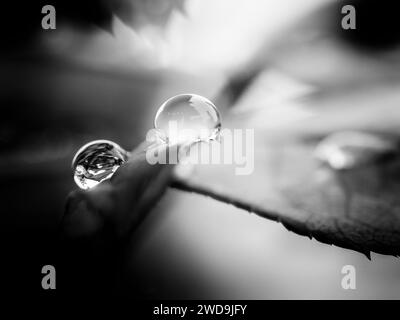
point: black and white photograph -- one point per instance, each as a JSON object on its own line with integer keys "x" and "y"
{"x": 163, "y": 152}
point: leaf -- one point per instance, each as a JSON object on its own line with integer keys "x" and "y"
{"x": 82, "y": 15}
{"x": 120, "y": 203}
{"x": 357, "y": 209}
{"x": 133, "y": 13}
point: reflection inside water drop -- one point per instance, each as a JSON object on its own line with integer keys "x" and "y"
{"x": 187, "y": 118}
{"x": 97, "y": 161}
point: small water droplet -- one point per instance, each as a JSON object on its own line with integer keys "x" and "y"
{"x": 187, "y": 118}
{"x": 97, "y": 161}
{"x": 351, "y": 149}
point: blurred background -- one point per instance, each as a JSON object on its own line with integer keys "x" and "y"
{"x": 108, "y": 66}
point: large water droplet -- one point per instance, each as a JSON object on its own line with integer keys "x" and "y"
{"x": 97, "y": 161}
{"x": 187, "y": 118}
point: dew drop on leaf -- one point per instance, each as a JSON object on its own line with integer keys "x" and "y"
{"x": 187, "y": 118}
{"x": 97, "y": 161}
{"x": 351, "y": 149}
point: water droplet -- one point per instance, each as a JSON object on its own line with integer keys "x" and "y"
{"x": 97, "y": 161}
{"x": 351, "y": 149}
{"x": 187, "y": 118}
